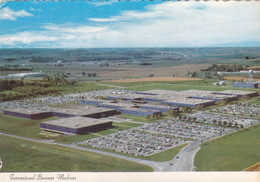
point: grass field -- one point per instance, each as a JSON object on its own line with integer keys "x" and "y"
{"x": 78, "y": 138}
{"x": 167, "y": 154}
{"x": 181, "y": 87}
{"x": 21, "y": 126}
{"x": 24, "y": 156}
{"x": 155, "y": 79}
{"x": 206, "y": 82}
{"x": 233, "y": 152}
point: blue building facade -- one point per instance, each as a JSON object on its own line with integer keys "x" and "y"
{"x": 246, "y": 85}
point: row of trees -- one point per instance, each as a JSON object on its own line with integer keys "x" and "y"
{"x": 20, "y": 89}
{"x": 225, "y": 67}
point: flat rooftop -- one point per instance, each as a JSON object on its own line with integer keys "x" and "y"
{"x": 236, "y": 92}
{"x": 26, "y": 111}
{"x": 76, "y": 122}
{"x": 188, "y": 101}
{"x": 79, "y": 110}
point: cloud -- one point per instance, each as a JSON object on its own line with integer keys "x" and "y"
{"x": 35, "y": 10}
{"x": 100, "y": 3}
{"x": 8, "y": 14}
{"x": 170, "y": 24}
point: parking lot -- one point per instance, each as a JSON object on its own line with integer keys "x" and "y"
{"x": 220, "y": 119}
{"x": 243, "y": 109}
{"x": 152, "y": 138}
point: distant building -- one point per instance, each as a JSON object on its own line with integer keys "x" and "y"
{"x": 27, "y": 75}
{"x": 246, "y": 84}
{"x": 220, "y": 83}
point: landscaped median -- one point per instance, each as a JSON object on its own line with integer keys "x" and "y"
{"x": 232, "y": 152}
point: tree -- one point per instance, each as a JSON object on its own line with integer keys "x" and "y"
{"x": 230, "y": 124}
{"x": 148, "y": 117}
{"x": 214, "y": 121}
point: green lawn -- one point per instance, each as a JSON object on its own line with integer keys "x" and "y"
{"x": 117, "y": 126}
{"x": 184, "y": 86}
{"x": 21, "y": 126}
{"x": 208, "y": 82}
{"x": 167, "y": 154}
{"x": 24, "y": 156}
{"x": 233, "y": 152}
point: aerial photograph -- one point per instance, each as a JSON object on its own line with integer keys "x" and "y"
{"x": 129, "y": 86}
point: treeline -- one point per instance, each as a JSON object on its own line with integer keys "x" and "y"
{"x": 226, "y": 67}
{"x": 14, "y": 69}
{"x": 21, "y": 89}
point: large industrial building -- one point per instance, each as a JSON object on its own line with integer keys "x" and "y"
{"x": 28, "y": 113}
{"x": 247, "y": 85}
{"x": 79, "y": 110}
{"x": 238, "y": 93}
{"x": 76, "y": 125}
{"x": 84, "y": 111}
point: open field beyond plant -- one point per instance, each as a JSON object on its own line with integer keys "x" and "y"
{"x": 233, "y": 152}
{"x": 180, "y": 87}
{"x": 239, "y": 78}
{"x": 155, "y": 79}
{"x": 25, "y": 156}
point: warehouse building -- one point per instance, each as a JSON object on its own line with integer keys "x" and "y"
{"x": 84, "y": 111}
{"x": 186, "y": 102}
{"x": 28, "y": 113}
{"x": 238, "y": 93}
{"x": 76, "y": 110}
{"x": 247, "y": 85}
{"x": 141, "y": 112}
{"x": 76, "y": 125}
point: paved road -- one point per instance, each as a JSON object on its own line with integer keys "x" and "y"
{"x": 185, "y": 159}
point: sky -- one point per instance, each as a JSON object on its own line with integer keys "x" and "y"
{"x": 123, "y": 24}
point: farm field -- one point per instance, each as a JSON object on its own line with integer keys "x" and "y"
{"x": 155, "y": 79}
{"x": 25, "y": 156}
{"x": 145, "y": 71}
{"x": 239, "y": 78}
{"x": 233, "y": 152}
{"x": 181, "y": 87}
